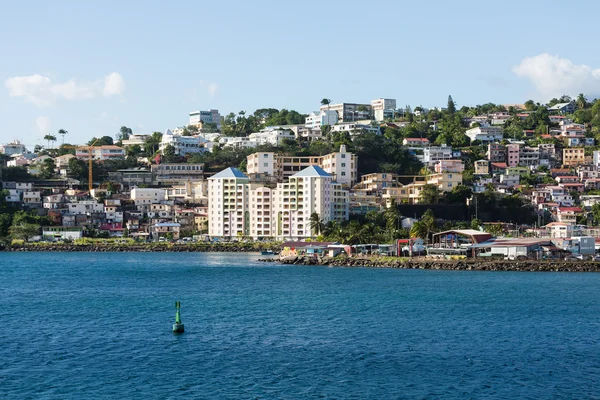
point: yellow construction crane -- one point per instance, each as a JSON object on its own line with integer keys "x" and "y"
{"x": 90, "y": 161}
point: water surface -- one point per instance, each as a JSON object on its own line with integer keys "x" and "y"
{"x": 98, "y": 325}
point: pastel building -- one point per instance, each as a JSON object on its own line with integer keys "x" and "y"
{"x": 100, "y": 152}
{"x": 237, "y": 207}
{"x": 341, "y": 165}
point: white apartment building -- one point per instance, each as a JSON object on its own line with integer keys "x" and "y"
{"x": 311, "y": 190}
{"x": 485, "y": 134}
{"x": 317, "y": 119}
{"x": 183, "y": 144}
{"x": 85, "y": 207}
{"x": 228, "y": 208}
{"x": 237, "y": 207}
{"x": 14, "y": 147}
{"x": 355, "y": 128}
{"x": 147, "y": 196}
{"x": 433, "y": 154}
{"x": 348, "y": 112}
{"x": 383, "y": 109}
{"x": 342, "y": 165}
{"x": 211, "y": 116}
{"x": 273, "y": 136}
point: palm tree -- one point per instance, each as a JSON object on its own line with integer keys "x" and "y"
{"x": 581, "y": 101}
{"x": 429, "y": 194}
{"x": 50, "y": 138}
{"x": 63, "y": 133}
{"x": 317, "y": 226}
{"x": 393, "y": 217}
{"x": 418, "y": 230}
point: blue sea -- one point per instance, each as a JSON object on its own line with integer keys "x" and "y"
{"x": 98, "y": 326}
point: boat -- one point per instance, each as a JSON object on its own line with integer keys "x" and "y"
{"x": 267, "y": 253}
{"x": 178, "y": 325}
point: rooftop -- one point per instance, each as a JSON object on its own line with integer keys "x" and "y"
{"x": 229, "y": 173}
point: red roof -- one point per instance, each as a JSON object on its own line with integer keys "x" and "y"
{"x": 567, "y": 209}
{"x": 500, "y": 165}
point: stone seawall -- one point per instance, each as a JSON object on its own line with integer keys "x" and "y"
{"x": 468, "y": 265}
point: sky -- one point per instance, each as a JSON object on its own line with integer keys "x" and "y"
{"x": 92, "y": 67}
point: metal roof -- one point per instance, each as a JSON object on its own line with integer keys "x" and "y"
{"x": 229, "y": 173}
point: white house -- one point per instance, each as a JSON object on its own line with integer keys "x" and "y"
{"x": 485, "y": 134}
{"x": 317, "y": 119}
{"x": 183, "y": 144}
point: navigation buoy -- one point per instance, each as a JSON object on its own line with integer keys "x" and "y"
{"x": 177, "y": 326}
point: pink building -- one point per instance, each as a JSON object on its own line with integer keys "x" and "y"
{"x": 456, "y": 166}
{"x": 512, "y": 155}
{"x": 100, "y": 152}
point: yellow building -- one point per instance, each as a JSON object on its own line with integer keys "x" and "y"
{"x": 573, "y": 156}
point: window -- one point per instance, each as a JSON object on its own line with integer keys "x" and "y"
{"x": 343, "y": 165}
{"x": 266, "y": 164}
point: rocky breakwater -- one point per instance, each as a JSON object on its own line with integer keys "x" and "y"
{"x": 467, "y": 265}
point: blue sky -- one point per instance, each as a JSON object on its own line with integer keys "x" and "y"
{"x": 91, "y": 67}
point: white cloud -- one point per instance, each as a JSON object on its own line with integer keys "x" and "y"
{"x": 114, "y": 84}
{"x": 554, "y": 76}
{"x": 43, "y": 124}
{"x": 41, "y": 91}
{"x": 212, "y": 88}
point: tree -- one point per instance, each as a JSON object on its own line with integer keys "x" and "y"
{"x": 62, "y": 132}
{"x": 325, "y": 102}
{"x": 529, "y": 105}
{"x": 596, "y": 213}
{"x": 50, "y": 138}
{"x": 459, "y": 194}
{"x": 48, "y": 169}
{"x": 581, "y": 101}
{"x": 103, "y": 141}
{"x": 169, "y": 154}
{"x": 152, "y": 143}
{"x": 475, "y": 223}
{"x": 124, "y": 133}
{"x": 451, "y": 106}
{"x": 429, "y": 194}
{"x": 317, "y": 226}
{"x": 418, "y": 230}
{"x": 23, "y": 230}
{"x": 393, "y": 219}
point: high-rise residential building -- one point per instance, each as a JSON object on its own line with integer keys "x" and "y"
{"x": 228, "y": 208}
{"x": 341, "y": 165}
{"x": 237, "y": 207}
{"x": 309, "y": 191}
{"x": 211, "y": 116}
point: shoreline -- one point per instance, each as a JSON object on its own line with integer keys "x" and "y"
{"x": 449, "y": 265}
{"x": 143, "y": 248}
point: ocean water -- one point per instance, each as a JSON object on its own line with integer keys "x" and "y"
{"x": 98, "y": 326}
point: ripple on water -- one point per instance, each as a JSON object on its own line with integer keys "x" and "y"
{"x": 98, "y": 326}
